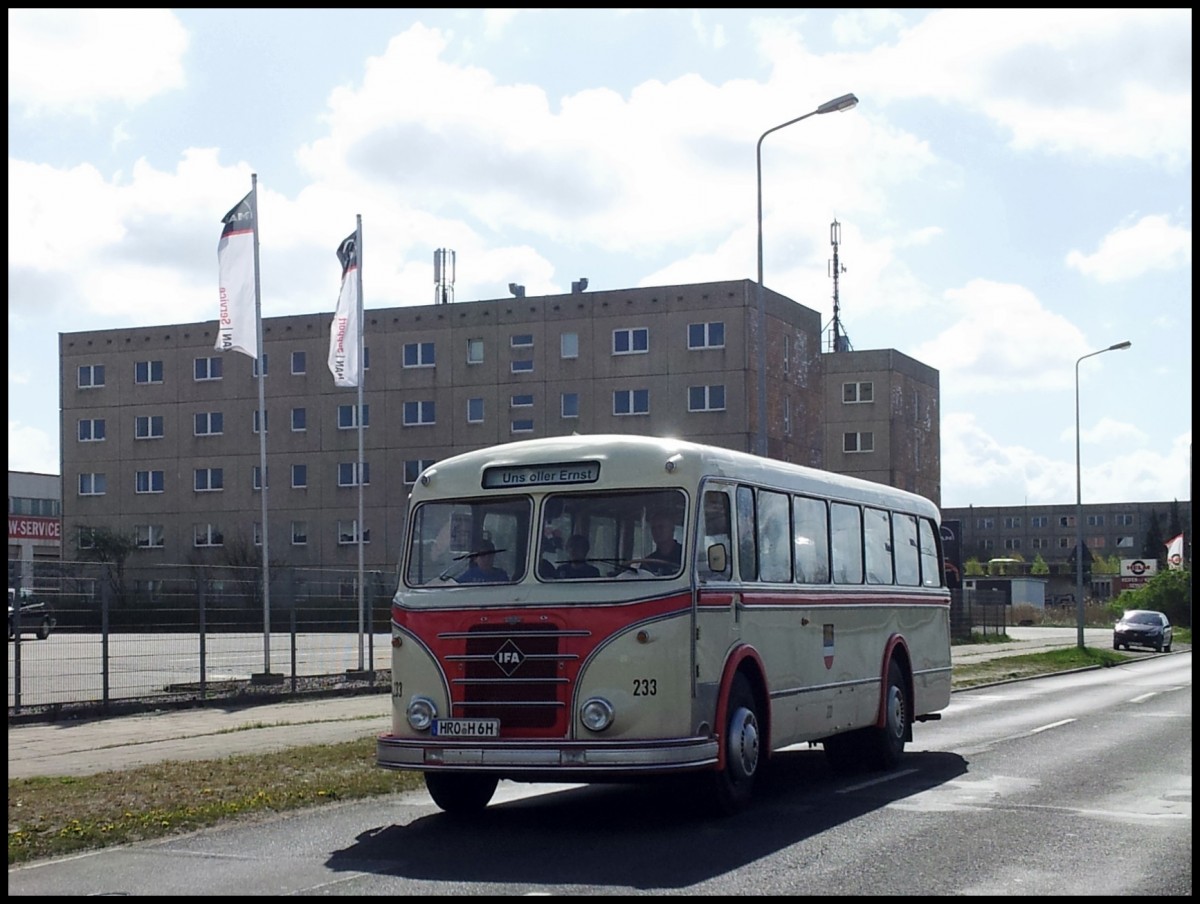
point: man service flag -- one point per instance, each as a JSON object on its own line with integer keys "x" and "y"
{"x": 237, "y": 326}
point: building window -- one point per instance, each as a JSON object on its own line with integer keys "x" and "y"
{"x": 413, "y": 468}
{"x": 91, "y": 430}
{"x": 207, "y": 535}
{"x": 419, "y": 414}
{"x": 1012, "y": 522}
{"x": 787, "y": 416}
{"x": 419, "y": 354}
{"x": 706, "y": 398}
{"x": 706, "y": 335}
{"x": 988, "y": 544}
{"x": 91, "y": 376}
{"x": 474, "y": 351}
{"x": 985, "y": 523}
{"x": 266, "y": 366}
{"x": 1064, "y": 542}
{"x": 524, "y": 366}
{"x": 256, "y": 477}
{"x": 348, "y": 533}
{"x": 858, "y": 442}
{"x": 348, "y": 473}
{"x": 86, "y": 539}
{"x": 266, "y": 417}
{"x": 854, "y": 393}
{"x": 348, "y": 416}
{"x": 299, "y": 533}
{"x": 1012, "y": 543}
{"x": 1096, "y": 542}
{"x": 635, "y": 341}
{"x": 148, "y": 536}
{"x": 1039, "y": 543}
{"x": 207, "y": 369}
{"x": 299, "y": 419}
{"x": 522, "y": 340}
{"x": 631, "y": 401}
{"x": 1125, "y": 542}
{"x": 521, "y": 401}
{"x": 299, "y": 363}
{"x": 568, "y": 345}
{"x": 570, "y": 404}
{"x": 148, "y": 427}
{"x": 209, "y": 480}
{"x": 299, "y": 477}
{"x": 209, "y": 423}
{"x": 149, "y": 481}
{"x": 366, "y": 357}
{"x": 148, "y": 372}
{"x": 1095, "y": 521}
{"x": 256, "y": 533}
{"x": 1066, "y": 520}
{"x": 1123, "y": 520}
{"x": 787, "y": 354}
{"x": 92, "y": 484}
{"x": 525, "y": 425}
{"x": 1039, "y": 521}
{"x": 475, "y": 411}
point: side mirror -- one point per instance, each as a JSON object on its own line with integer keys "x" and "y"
{"x": 718, "y": 558}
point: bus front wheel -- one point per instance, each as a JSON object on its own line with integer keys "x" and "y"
{"x": 734, "y": 784}
{"x": 455, "y": 793}
{"x": 886, "y": 743}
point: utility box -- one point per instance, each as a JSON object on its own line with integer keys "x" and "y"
{"x": 1016, "y": 591}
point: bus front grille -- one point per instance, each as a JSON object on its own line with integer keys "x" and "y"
{"x": 515, "y": 673}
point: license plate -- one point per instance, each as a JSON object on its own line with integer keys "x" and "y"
{"x": 466, "y": 728}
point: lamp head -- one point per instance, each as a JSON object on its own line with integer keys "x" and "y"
{"x": 1120, "y": 345}
{"x": 839, "y": 104}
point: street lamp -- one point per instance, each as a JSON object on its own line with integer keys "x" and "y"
{"x": 845, "y": 102}
{"x": 1079, "y": 613}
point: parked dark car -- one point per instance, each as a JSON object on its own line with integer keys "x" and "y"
{"x": 36, "y": 617}
{"x": 1143, "y": 628}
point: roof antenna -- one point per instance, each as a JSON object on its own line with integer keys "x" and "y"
{"x": 839, "y": 341}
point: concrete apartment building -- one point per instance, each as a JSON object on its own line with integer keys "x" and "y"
{"x": 159, "y": 430}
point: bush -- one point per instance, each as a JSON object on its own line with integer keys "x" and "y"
{"x": 1169, "y": 592}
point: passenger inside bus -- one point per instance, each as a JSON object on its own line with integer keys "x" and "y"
{"x": 667, "y": 553}
{"x": 577, "y": 565}
{"x": 483, "y": 568}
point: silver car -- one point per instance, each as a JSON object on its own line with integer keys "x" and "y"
{"x": 1143, "y": 628}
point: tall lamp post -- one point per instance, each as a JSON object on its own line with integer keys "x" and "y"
{"x": 1079, "y": 609}
{"x": 845, "y": 102}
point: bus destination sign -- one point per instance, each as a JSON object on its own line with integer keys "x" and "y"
{"x": 541, "y": 475}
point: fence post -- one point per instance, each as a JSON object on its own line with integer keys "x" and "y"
{"x": 201, "y": 595}
{"x": 105, "y": 595}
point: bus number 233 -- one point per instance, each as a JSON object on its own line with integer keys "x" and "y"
{"x": 645, "y": 687}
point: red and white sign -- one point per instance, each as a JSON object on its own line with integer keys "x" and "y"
{"x": 32, "y": 528}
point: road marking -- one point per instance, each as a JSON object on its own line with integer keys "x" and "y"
{"x": 891, "y": 777}
{"x": 1034, "y": 731}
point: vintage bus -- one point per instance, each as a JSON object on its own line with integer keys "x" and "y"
{"x": 612, "y": 608}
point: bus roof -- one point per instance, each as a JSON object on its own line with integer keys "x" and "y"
{"x": 653, "y": 461}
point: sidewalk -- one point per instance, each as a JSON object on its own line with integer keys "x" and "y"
{"x": 99, "y": 745}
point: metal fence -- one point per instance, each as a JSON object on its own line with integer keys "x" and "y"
{"x": 180, "y": 633}
{"x": 978, "y": 612}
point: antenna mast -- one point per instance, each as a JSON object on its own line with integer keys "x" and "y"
{"x": 443, "y": 276}
{"x": 839, "y": 341}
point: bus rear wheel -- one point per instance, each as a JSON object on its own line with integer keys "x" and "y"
{"x": 875, "y": 748}
{"x": 465, "y": 793}
{"x": 734, "y": 784}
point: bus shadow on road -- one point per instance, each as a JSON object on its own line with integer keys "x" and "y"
{"x": 645, "y": 836}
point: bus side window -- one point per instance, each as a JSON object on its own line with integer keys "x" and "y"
{"x": 747, "y": 544}
{"x": 847, "y": 543}
{"x": 714, "y": 531}
{"x": 774, "y": 536}
{"x": 812, "y": 541}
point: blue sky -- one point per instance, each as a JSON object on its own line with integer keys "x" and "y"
{"x": 1014, "y": 191}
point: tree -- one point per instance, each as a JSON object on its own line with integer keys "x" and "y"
{"x": 1169, "y": 592}
{"x": 1039, "y": 566}
{"x": 1154, "y": 546}
{"x": 111, "y": 548}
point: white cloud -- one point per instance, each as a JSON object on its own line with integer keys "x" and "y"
{"x": 30, "y": 449}
{"x": 1152, "y": 243}
{"x": 74, "y": 60}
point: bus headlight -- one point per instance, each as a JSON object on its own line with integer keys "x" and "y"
{"x": 421, "y": 713}
{"x": 596, "y": 714}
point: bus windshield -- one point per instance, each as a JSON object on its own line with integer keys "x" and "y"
{"x": 621, "y": 535}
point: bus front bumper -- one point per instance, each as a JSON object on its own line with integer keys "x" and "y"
{"x": 564, "y": 757}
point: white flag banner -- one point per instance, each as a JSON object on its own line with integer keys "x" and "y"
{"x": 1175, "y": 552}
{"x": 345, "y": 329}
{"x": 237, "y": 324}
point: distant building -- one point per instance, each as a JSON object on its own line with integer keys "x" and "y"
{"x": 159, "y": 430}
{"x": 34, "y": 524}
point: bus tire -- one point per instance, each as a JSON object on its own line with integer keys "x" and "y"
{"x": 461, "y": 793}
{"x": 886, "y": 744}
{"x": 733, "y": 785}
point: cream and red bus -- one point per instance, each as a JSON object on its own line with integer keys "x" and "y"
{"x": 612, "y": 608}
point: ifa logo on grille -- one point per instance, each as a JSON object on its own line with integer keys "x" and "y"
{"x": 509, "y": 657}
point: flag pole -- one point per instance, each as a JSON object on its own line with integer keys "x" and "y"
{"x": 361, "y": 465}
{"x": 262, "y": 437}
